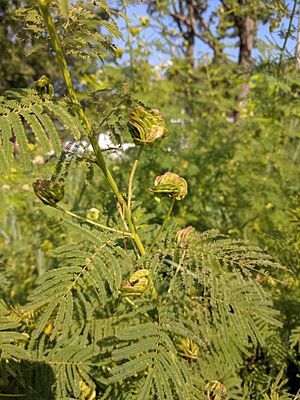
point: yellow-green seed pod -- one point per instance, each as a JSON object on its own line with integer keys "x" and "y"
{"x": 187, "y": 348}
{"x": 169, "y": 185}
{"x": 215, "y": 390}
{"x": 137, "y": 284}
{"x": 48, "y": 192}
{"x": 44, "y": 86}
{"x": 146, "y": 125}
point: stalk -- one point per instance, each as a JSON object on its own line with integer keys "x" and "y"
{"x": 91, "y": 222}
{"x": 167, "y": 217}
{"x": 45, "y": 10}
{"x": 129, "y": 42}
{"x": 132, "y": 173}
{"x": 287, "y": 36}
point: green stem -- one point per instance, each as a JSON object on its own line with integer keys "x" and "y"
{"x": 177, "y": 270}
{"x": 45, "y": 9}
{"x": 129, "y": 42}
{"x": 287, "y": 36}
{"x": 90, "y": 221}
{"x": 167, "y": 217}
{"x": 131, "y": 176}
{"x": 110, "y": 113}
{"x": 79, "y": 197}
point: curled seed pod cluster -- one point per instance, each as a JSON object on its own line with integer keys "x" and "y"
{"x": 48, "y": 192}
{"x": 184, "y": 236}
{"x": 146, "y": 125}
{"x": 169, "y": 185}
{"x": 187, "y": 348}
{"x": 137, "y": 284}
{"x": 215, "y": 390}
{"x": 44, "y": 86}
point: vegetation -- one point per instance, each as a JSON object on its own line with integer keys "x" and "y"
{"x": 167, "y": 268}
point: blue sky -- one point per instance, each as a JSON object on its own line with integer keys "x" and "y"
{"x": 140, "y": 10}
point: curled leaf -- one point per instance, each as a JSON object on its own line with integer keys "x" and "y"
{"x": 137, "y": 284}
{"x": 48, "y": 192}
{"x": 44, "y": 86}
{"x": 169, "y": 185}
{"x": 183, "y": 237}
{"x": 146, "y": 125}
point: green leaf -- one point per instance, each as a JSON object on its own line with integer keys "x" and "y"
{"x": 130, "y": 368}
{"x": 22, "y": 141}
{"x": 146, "y": 388}
{"x": 37, "y": 129}
{"x": 64, "y": 7}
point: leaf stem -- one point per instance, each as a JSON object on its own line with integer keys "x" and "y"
{"x": 129, "y": 42}
{"x": 109, "y": 114}
{"x": 45, "y": 10}
{"x": 131, "y": 176}
{"x": 90, "y": 221}
{"x": 287, "y": 36}
{"x": 167, "y": 217}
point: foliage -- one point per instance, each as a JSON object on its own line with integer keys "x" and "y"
{"x": 115, "y": 306}
{"x": 19, "y": 67}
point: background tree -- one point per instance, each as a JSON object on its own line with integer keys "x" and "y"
{"x": 110, "y": 334}
{"x": 18, "y": 64}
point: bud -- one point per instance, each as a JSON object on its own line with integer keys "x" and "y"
{"x": 44, "y": 86}
{"x": 169, "y": 185}
{"x": 137, "y": 284}
{"x": 134, "y": 30}
{"x": 46, "y": 246}
{"x": 187, "y": 348}
{"x": 215, "y": 390}
{"x": 48, "y": 192}
{"x": 274, "y": 24}
{"x": 146, "y": 125}
{"x": 48, "y": 328}
{"x": 93, "y": 213}
{"x": 119, "y": 52}
{"x": 183, "y": 237}
{"x": 144, "y": 21}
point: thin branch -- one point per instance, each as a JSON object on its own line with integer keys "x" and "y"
{"x": 132, "y": 173}
{"x": 49, "y": 22}
{"x": 167, "y": 217}
{"x": 288, "y": 34}
{"x": 110, "y": 113}
{"x": 90, "y": 221}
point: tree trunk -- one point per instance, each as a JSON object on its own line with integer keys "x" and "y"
{"x": 190, "y": 35}
{"x": 190, "y": 50}
{"x": 247, "y": 33}
{"x": 247, "y": 29}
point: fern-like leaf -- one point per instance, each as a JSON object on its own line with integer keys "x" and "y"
{"x": 97, "y": 268}
{"x": 37, "y": 130}
{"x": 71, "y": 362}
{"x": 24, "y": 110}
{"x": 144, "y": 393}
{"x": 10, "y": 338}
{"x": 49, "y": 127}
{"x": 19, "y": 132}
{"x": 64, "y": 7}
{"x": 152, "y": 350}
{"x": 71, "y": 123}
{"x": 6, "y": 134}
